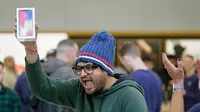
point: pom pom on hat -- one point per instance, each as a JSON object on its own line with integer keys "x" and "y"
{"x": 99, "y": 50}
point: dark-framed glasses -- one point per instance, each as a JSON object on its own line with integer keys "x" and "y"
{"x": 89, "y": 69}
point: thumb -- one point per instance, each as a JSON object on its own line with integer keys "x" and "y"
{"x": 36, "y": 26}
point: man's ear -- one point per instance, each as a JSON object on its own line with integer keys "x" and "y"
{"x": 126, "y": 58}
{"x": 122, "y": 58}
{"x": 69, "y": 54}
{"x": 105, "y": 72}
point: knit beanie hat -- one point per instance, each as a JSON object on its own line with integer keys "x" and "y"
{"x": 99, "y": 50}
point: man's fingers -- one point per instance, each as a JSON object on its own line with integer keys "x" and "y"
{"x": 165, "y": 60}
{"x": 163, "y": 57}
{"x": 36, "y": 26}
{"x": 15, "y": 27}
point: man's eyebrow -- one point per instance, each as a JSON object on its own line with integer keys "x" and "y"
{"x": 88, "y": 64}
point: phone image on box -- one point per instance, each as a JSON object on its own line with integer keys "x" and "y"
{"x": 25, "y": 24}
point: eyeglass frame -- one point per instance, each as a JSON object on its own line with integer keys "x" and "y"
{"x": 94, "y": 66}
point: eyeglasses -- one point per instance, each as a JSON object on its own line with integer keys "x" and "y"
{"x": 89, "y": 69}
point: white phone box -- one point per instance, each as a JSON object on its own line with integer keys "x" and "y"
{"x": 25, "y": 24}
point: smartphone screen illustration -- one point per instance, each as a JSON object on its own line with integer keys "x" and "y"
{"x": 25, "y": 23}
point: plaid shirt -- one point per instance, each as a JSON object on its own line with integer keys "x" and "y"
{"x": 9, "y": 101}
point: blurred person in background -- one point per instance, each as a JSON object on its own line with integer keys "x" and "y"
{"x": 177, "y": 74}
{"x": 120, "y": 70}
{"x": 23, "y": 92}
{"x": 10, "y": 72}
{"x": 130, "y": 57}
{"x": 61, "y": 65}
{"x": 28, "y": 101}
{"x": 51, "y": 54}
{"x": 58, "y": 65}
{"x": 9, "y": 101}
{"x": 191, "y": 82}
{"x": 148, "y": 62}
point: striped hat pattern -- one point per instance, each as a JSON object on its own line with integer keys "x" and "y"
{"x": 99, "y": 50}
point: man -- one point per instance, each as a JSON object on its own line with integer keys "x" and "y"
{"x": 130, "y": 57}
{"x": 95, "y": 89}
{"x": 61, "y": 66}
{"x": 10, "y": 72}
{"x": 9, "y": 101}
{"x": 191, "y": 82}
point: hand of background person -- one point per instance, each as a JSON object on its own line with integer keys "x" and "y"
{"x": 176, "y": 73}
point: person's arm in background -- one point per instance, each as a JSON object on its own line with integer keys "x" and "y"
{"x": 146, "y": 48}
{"x": 177, "y": 74}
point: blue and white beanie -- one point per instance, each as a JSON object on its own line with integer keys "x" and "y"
{"x": 99, "y": 50}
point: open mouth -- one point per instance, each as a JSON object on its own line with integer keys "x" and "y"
{"x": 88, "y": 84}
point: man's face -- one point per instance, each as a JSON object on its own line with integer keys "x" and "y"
{"x": 187, "y": 63}
{"x": 92, "y": 77}
{"x": 1, "y": 74}
{"x": 10, "y": 63}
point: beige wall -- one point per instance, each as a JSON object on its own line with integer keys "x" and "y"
{"x": 107, "y": 14}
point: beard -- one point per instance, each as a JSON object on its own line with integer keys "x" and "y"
{"x": 100, "y": 84}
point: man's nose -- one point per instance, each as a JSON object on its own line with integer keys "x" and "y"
{"x": 83, "y": 74}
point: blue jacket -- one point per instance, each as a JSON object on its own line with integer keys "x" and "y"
{"x": 23, "y": 91}
{"x": 195, "y": 108}
{"x": 192, "y": 96}
{"x": 152, "y": 86}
